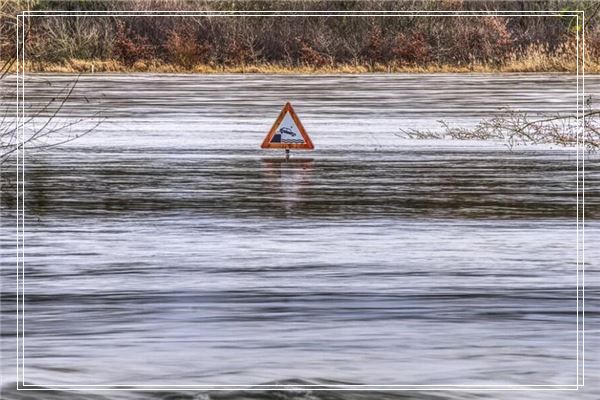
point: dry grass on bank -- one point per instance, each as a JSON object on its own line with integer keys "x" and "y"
{"x": 536, "y": 60}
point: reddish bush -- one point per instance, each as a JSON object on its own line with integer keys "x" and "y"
{"x": 310, "y": 56}
{"x": 374, "y": 49}
{"x": 411, "y": 48}
{"x": 130, "y": 47}
{"x": 183, "y": 48}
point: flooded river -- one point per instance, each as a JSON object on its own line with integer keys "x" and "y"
{"x": 166, "y": 249}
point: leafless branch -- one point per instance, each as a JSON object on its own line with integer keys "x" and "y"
{"x": 516, "y": 128}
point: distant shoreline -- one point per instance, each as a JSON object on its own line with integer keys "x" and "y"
{"x": 548, "y": 65}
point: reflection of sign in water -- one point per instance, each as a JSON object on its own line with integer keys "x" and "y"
{"x": 286, "y": 182}
{"x": 287, "y": 132}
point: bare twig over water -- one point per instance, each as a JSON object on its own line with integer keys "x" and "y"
{"x": 49, "y": 134}
{"x": 518, "y": 128}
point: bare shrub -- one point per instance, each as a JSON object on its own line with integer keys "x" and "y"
{"x": 237, "y": 53}
{"x": 8, "y": 25}
{"x": 58, "y": 39}
{"x": 482, "y": 40}
{"x": 516, "y": 128}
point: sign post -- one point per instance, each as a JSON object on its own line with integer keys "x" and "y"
{"x": 287, "y": 133}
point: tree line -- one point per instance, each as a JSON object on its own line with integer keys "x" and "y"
{"x": 188, "y": 41}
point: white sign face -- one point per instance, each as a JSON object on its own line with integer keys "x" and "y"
{"x": 287, "y": 131}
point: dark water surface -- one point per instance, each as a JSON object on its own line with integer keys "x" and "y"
{"x": 164, "y": 248}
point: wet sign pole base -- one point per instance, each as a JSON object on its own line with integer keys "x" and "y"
{"x": 287, "y": 133}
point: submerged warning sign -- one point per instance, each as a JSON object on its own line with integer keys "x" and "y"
{"x": 287, "y": 132}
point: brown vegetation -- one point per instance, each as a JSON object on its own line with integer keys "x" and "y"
{"x": 316, "y": 43}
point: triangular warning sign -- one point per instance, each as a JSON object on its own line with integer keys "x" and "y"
{"x": 287, "y": 132}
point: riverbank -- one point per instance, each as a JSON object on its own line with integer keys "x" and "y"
{"x": 530, "y": 64}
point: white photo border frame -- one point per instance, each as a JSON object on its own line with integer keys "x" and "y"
{"x": 580, "y": 206}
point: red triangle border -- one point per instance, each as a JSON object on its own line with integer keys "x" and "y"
{"x": 307, "y": 145}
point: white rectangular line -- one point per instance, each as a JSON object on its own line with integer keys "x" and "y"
{"x": 286, "y": 13}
